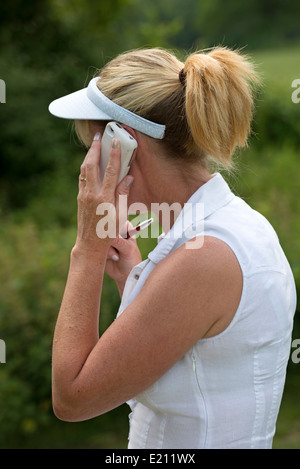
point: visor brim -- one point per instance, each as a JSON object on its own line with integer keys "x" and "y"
{"x": 77, "y": 106}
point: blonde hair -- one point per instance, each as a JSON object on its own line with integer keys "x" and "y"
{"x": 207, "y": 112}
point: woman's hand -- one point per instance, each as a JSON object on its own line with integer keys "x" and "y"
{"x": 98, "y": 201}
{"x": 77, "y": 327}
{"x": 123, "y": 255}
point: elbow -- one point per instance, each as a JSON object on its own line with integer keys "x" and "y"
{"x": 66, "y": 404}
{"x": 73, "y": 407}
{"x": 66, "y": 408}
{"x": 65, "y": 412}
{"x": 72, "y": 402}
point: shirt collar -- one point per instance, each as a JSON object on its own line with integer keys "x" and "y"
{"x": 209, "y": 198}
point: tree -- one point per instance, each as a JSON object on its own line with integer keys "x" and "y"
{"x": 255, "y": 23}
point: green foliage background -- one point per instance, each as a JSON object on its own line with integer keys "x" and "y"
{"x": 50, "y": 48}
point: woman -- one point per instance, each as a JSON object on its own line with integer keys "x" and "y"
{"x": 201, "y": 342}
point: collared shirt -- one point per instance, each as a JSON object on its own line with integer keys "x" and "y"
{"x": 226, "y": 391}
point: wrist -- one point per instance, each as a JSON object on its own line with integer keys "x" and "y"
{"x": 88, "y": 252}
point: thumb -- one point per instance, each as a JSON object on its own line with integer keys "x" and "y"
{"x": 122, "y": 192}
{"x": 123, "y": 246}
{"x": 124, "y": 186}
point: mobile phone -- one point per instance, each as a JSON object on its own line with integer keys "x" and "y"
{"x": 128, "y": 146}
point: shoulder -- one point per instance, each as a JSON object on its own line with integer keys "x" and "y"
{"x": 189, "y": 295}
{"x": 201, "y": 257}
{"x": 201, "y": 281}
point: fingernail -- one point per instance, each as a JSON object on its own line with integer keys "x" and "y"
{"x": 129, "y": 181}
{"x": 115, "y": 143}
{"x": 97, "y": 136}
{"x": 115, "y": 257}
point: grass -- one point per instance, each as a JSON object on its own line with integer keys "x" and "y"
{"x": 278, "y": 69}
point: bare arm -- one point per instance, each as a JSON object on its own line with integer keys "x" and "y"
{"x": 190, "y": 294}
{"x": 77, "y": 326}
{"x": 160, "y": 325}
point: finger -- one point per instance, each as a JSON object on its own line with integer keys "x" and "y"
{"x": 121, "y": 200}
{"x": 113, "y": 254}
{"x": 82, "y": 176}
{"x": 111, "y": 175}
{"x": 90, "y": 168}
{"x": 123, "y": 246}
{"x": 124, "y": 186}
{"x": 124, "y": 228}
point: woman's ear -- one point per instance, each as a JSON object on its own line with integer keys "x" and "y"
{"x": 131, "y": 131}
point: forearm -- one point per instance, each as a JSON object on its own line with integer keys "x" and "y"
{"x": 77, "y": 328}
{"x": 76, "y": 334}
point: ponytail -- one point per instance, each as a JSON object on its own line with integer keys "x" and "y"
{"x": 219, "y": 101}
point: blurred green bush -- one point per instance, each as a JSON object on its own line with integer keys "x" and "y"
{"x": 32, "y": 276}
{"x": 34, "y": 265}
{"x": 47, "y": 52}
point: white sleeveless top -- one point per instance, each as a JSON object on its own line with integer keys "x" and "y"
{"x": 226, "y": 391}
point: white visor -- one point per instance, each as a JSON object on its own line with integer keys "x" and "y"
{"x": 91, "y": 104}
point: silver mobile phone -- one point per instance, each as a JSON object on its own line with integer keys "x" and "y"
{"x": 128, "y": 146}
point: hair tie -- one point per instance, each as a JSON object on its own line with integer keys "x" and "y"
{"x": 182, "y": 77}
